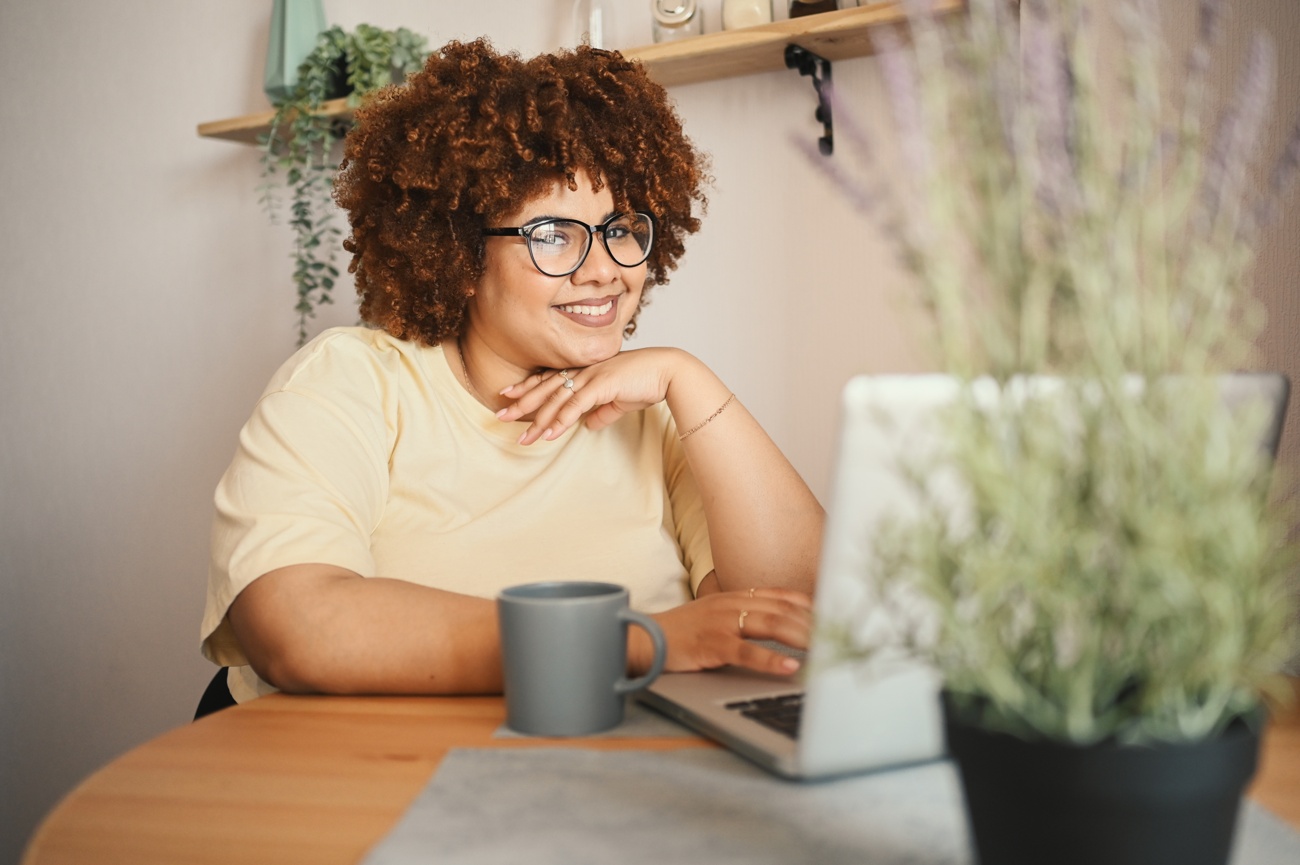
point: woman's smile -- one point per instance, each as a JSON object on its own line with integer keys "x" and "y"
{"x": 591, "y": 312}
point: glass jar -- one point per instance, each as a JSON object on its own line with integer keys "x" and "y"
{"x": 745, "y": 13}
{"x": 675, "y": 19}
{"x": 593, "y": 23}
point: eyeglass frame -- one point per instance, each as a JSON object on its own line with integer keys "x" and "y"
{"x": 526, "y": 231}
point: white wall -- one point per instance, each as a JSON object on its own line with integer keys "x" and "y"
{"x": 145, "y": 301}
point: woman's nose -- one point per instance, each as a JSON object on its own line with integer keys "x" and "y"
{"x": 599, "y": 267}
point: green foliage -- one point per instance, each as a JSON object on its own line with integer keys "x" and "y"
{"x": 299, "y": 143}
{"x": 1118, "y": 571}
{"x": 1115, "y": 572}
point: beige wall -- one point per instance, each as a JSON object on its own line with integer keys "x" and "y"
{"x": 1277, "y": 274}
{"x": 145, "y": 302}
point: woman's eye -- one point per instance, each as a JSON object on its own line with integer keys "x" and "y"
{"x": 548, "y": 236}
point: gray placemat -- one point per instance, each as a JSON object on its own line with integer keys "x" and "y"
{"x": 639, "y": 722}
{"x": 576, "y": 806}
{"x": 1263, "y": 839}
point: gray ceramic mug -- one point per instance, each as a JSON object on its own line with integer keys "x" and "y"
{"x": 564, "y": 653}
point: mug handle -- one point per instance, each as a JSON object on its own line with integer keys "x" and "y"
{"x": 651, "y": 627}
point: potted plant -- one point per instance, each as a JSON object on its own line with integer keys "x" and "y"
{"x": 301, "y": 139}
{"x": 1109, "y": 607}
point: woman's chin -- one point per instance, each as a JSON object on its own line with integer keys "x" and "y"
{"x": 587, "y": 355}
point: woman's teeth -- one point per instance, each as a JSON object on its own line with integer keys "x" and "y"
{"x": 589, "y": 310}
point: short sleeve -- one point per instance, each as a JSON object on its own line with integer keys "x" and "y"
{"x": 308, "y": 481}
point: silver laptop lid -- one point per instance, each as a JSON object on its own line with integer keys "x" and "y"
{"x": 885, "y": 712}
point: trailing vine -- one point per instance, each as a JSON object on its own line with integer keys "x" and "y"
{"x": 300, "y": 142}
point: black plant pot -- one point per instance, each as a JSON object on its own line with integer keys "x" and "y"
{"x": 338, "y": 82}
{"x": 1107, "y": 804}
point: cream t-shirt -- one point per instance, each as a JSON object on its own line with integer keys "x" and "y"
{"x": 365, "y": 452}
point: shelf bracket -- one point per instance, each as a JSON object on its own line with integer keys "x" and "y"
{"x": 819, "y": 68}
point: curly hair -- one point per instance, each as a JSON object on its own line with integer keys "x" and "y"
{"x": 476, "y": 134}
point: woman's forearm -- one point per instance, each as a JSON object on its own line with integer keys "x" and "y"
{"x": 323, "y": 629}
{"x": 765, "y": 525}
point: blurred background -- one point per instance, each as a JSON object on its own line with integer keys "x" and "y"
{"x": 146, "y": 300}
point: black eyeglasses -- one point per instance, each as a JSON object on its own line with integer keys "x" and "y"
{"x": 558, "y": 247}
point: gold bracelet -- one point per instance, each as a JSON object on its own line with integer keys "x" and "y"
{"x": 705, "y": 422}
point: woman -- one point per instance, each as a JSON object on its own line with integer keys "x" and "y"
{"x": 489, "y": 430}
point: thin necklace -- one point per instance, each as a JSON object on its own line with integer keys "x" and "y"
{"x": 464, "y": 368}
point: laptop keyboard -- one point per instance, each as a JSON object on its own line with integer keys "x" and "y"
{"x": 781, "y": 713}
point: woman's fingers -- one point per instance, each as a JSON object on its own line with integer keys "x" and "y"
{"x": 518, "y": 389}
{"x": 533, "y": 392}
{"x": 556, "y": 406}
{"x": 785, "y": 626}
{"x": 719, "y": 629}
{"x": 542, "y": 395}
{"x": 604, "y": 415}
{"x": 560, "y": 410}
{"x": 755, "y": 657}
{"x": 790, "y": 596}
{"x": 606, "y": 390}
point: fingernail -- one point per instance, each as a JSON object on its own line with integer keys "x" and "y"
{"x": 502, "y": 413}
{"x": 790, "y": 664}
{"x": 505, "y": 390}
{"x": 549, "y": 434}
{"x": 521, "y": 438}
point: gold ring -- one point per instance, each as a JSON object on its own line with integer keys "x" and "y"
{"x": 568, "y": 382}
{"x": 743, "y": 613}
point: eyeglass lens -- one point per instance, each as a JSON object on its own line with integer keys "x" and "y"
{"x": 559, "y": 246}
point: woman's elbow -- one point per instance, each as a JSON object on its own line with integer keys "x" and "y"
{"x": 279, "y": 640}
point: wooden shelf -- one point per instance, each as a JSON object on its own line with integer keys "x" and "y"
{"x": 250, "y": 127}
{"x": 838, "y": 35}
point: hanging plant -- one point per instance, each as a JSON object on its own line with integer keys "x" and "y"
{"x": 297, "y": 147}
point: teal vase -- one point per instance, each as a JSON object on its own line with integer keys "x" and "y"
{"x": 295, "y": 24}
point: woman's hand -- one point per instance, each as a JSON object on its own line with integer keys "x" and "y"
{"x": 716, "y": 630}
{"x": 629, "y": 381}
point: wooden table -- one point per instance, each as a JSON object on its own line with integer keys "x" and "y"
{"x": 321, "y": 779}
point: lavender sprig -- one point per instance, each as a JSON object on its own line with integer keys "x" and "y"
{"x": 1209, "y": 16}
{"x": 861, "y": 144}
{"x": 1238, "y": 135}
{"x": 905, "y": 101}
{"x": 1048, "y": 92}
{"x": 1281, "y": 181}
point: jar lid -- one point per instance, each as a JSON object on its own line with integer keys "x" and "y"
{"x": 673, "y": 12}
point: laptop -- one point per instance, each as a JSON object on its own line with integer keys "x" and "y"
{"x": 836, "y": 717}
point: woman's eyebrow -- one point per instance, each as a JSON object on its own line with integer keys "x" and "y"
{"x": 543, "y": 217}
